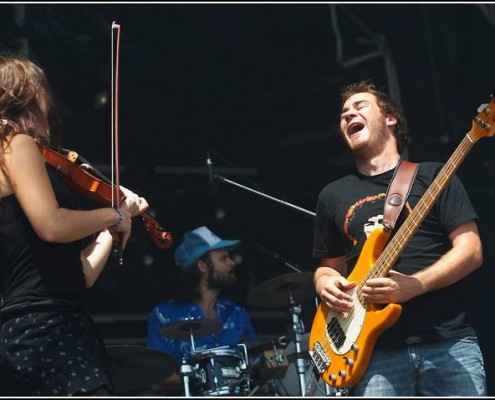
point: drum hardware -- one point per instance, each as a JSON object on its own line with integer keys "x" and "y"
{"x": 219, "y": 371}
{"x": 134, "y": 368}
{"x": 275, "y": 356}
{"x": 275, "y": 361}
{"x": 189, "y": 328}
{"x": 288, "y": 290}
{"x": 186, "y": 371}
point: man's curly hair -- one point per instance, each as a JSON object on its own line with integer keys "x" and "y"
{"x": 386, "y": 105}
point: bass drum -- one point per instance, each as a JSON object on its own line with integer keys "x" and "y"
{"x": 289, "y": 384}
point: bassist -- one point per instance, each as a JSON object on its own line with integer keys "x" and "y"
{"x": 432, "y": 349}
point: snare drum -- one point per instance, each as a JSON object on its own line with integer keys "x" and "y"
{"x": 220, "y": 371}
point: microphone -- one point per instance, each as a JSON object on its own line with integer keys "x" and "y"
{"x": 211, "y": 181}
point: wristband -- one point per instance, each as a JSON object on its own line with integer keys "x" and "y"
{"x": 120, "y": 220}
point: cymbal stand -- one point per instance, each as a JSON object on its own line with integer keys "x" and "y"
{"x": 298, "y": 331}
{"x": 186, "y": 369}
{"x": 191, "y": 335}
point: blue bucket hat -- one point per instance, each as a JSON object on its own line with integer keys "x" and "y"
{"x": 199, "y": 242}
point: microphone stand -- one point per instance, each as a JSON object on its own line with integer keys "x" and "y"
{"x": 306, "y": 212}
{"x": 297, "y": 326}
{"x": 298, "y": 330}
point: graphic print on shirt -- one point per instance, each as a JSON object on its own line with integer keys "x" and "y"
{"x": 357, "y": 222}
{"x": 352, "y": 216}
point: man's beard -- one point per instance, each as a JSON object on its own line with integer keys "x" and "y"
{"x": 374, "y": 144}
{"x": 223, "y": 281}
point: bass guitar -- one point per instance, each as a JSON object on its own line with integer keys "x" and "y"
{"x": 340, "y": 347}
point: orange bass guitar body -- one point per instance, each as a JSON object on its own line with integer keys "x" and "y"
{"x": 341, "y": 347}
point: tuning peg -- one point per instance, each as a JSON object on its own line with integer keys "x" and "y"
{"x": 482, "y": 107}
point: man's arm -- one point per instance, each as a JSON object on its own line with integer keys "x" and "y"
{"x": 464, "y": 257}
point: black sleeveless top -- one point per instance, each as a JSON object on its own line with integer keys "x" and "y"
{"x": 34, "y": 272}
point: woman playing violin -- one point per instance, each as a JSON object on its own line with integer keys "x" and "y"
{"x": 50, "y": 252}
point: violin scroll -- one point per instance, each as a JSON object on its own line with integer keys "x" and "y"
{"x": 159, "y": 236}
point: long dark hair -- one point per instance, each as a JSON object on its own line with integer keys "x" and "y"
{"x": 26, "y": 103}
{"x": 191, "y": 277}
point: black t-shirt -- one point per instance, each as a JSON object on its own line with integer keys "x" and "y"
{"x": 349, "y": 208}
{"x": 34, "y": 272}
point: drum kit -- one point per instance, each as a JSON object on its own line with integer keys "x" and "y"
{"x": 263, "y": 366}
{"x": 218, "y": 371}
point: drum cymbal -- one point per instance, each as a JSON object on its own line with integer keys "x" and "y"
{"x": 197, "y": 327}
{"x": 275, "y": 292}
{"x": 136, "y": 367}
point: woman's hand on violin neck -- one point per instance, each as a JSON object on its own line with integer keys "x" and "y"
{"x": 134, "y": 204}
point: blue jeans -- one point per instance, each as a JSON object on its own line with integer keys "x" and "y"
{"x": 447, "y": 368}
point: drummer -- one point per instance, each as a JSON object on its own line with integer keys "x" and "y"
{"x": 207, "y": 269}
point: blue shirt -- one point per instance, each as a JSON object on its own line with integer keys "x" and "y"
{"x": 236, "y": 327}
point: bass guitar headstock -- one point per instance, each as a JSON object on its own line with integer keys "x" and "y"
{"x": 483, "y": 124}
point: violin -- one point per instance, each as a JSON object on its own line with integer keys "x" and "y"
{"x": 82, "y": 178}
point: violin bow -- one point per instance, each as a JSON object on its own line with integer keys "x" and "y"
{"x": 115, "y": 171}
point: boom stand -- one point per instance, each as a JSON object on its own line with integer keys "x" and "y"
{"x": 285, "y": 203}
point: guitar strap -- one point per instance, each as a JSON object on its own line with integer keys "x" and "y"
{"x": 398, "y": 191}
